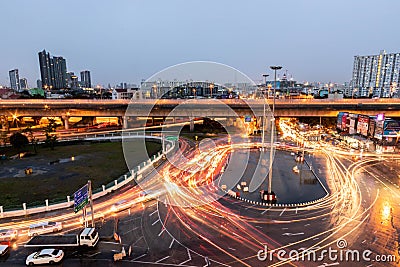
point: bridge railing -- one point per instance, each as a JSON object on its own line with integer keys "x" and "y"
{"x": 56, "y": 204}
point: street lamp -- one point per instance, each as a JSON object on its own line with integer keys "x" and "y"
{"x": 264, "y": 119}
{"x": 270, "y": 194}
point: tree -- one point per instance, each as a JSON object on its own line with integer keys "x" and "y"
{"x": 51, "y": 137}
{"x": 18, "y": 140}
{"x": 32, "y": 139}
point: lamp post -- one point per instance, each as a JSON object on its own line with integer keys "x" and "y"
{"x": 271, "y": 195}
{"x": 264, "y": 119}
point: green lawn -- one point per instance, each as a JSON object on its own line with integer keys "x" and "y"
{"x": 99, "y": 162}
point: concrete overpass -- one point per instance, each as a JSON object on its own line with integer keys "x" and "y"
{"x": 196, "y": 107}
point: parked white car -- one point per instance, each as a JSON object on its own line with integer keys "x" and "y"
{"x": 45, "y": 256}
{"x": 44, "y": 228}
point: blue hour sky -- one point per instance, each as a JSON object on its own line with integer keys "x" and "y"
{"x": 129, "y": 40}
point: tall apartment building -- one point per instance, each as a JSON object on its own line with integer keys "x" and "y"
{"x": 14, "y": 80}
{"x": 85, "y": 79}
{"x": 375, "y": 75}
{"x": 53, "y": 71}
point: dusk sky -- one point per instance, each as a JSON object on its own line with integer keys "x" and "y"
{"x": 130, "y": 40}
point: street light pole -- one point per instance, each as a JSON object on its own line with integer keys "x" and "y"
{"x": 271, "y": 195}
{"x": 264, "y": 119}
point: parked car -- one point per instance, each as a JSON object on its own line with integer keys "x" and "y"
{"x": 45, "y": 256}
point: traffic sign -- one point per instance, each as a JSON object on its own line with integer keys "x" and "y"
{"x": 81, "y": 198}
{"x": 172, "y": 138}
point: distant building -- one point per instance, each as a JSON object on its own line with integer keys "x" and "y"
{"x": 53, "y": 71}
{"x": 85, "y": 79}
{"x": 14, "y": 80}
{"x": 134, "y": 93}
{"x": 375, "y": 75}
{"x": 74, "y": 82}
{"x": 39, "y": 83}
{"x": 23, "y": 83}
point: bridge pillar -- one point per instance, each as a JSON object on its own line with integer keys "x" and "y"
{"x": 125, "y": 122}
{"x": 65, "y": 120}
{"x": 191, "y": 126}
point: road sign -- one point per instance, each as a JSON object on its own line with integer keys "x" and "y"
{"x": 81, "y": 198}
{"x": 172, "y": 138}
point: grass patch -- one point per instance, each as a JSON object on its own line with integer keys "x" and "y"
{"x": 100, "y": 162}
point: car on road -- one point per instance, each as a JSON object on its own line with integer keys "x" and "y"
{"x": 8, "y": 234}
{"x": 45, "y": 256}
{"x": 44, "y": 228}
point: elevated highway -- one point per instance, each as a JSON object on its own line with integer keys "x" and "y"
{"x": 196, "y": 107}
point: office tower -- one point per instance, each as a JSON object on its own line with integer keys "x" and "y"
{"x": 85, "y": 79}
{"x": 375, "y": 75}
{"x": 14, "y": 80}
{"x": 53, "y": 71}
{"x": 46, "y": 70}
{"x": 23, "y": 82}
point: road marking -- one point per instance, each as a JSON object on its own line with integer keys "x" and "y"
{"x": 141, "y": 256}
{"x": 293, "y": 234}
{"x": 155, "y": 222}
{"x": 162, "y": 231}
{"x": 266, "y": 210}
{"x": 160, "y": 260}
{"x": 151, "y": 214}
{"x": 131, "y": 230}
{"x": 172, "y": 242}
{"x": 328, "y": 264}
{"x": 307, "y": 224}
{"x": 152, "y": 204}
{"x": 94, "y": 254}
{"x": 190, "y": 258}
{"x": 297, "y": 209}
{"x": 231, "y": 248}
{"x": 282, "y": 212}
{"x": 109, "y": 242}
{"x": 137, "y": 241}
{"x": 250, "y": 206}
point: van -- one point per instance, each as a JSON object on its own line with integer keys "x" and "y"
{"x": 44, "y": 228}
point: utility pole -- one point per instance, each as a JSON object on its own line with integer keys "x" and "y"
{"x": 91, "y": 201}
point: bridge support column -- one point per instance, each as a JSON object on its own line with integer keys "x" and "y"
{"x": 191, "y": 126}
{"x": 125, "y": 122}
{"x": 65, "y": 120}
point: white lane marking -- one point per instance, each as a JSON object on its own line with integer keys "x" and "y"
{"x": 160, "y": 260}
{"x": 162, "y": 231}
{"x": 293, "y": 234}
{"x": 266, "y": 210}
{"x": 155, "y": 222}
{"x": 282, "y": 212}
{"x": 154, "y": 212}
{"x": 297, "y": 209}
{"x": 172, "y": 242}
{"x": 141, "y": 256}
{"x": 94, "y": 254}
{"x": 190, "y": 258}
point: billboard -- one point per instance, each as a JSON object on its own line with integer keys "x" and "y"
{"x": 362, "y": 125}
{"x": 353, "y": 119}
{"x": 371, "y": 126}
{"x": 391, "y": 128}
{"x": 345, "y": 122}
{"x": 379, "y": 130}
{"x": 339, "y": 120}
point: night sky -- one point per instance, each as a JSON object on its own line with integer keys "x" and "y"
{"x": 130, "y": 40}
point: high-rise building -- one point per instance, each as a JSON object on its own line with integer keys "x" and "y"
{"x": 53, "y": 71}
{"x": 375, "y": 75}
{"x": 14, "y": 80}
{"x": 85, "y": 79}
{"x": 23, "y": 82}
{"x": 46, "y": 70}
{"x": 60, "y": 73}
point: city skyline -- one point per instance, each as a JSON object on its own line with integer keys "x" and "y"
{"x": 130, "y": 41}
